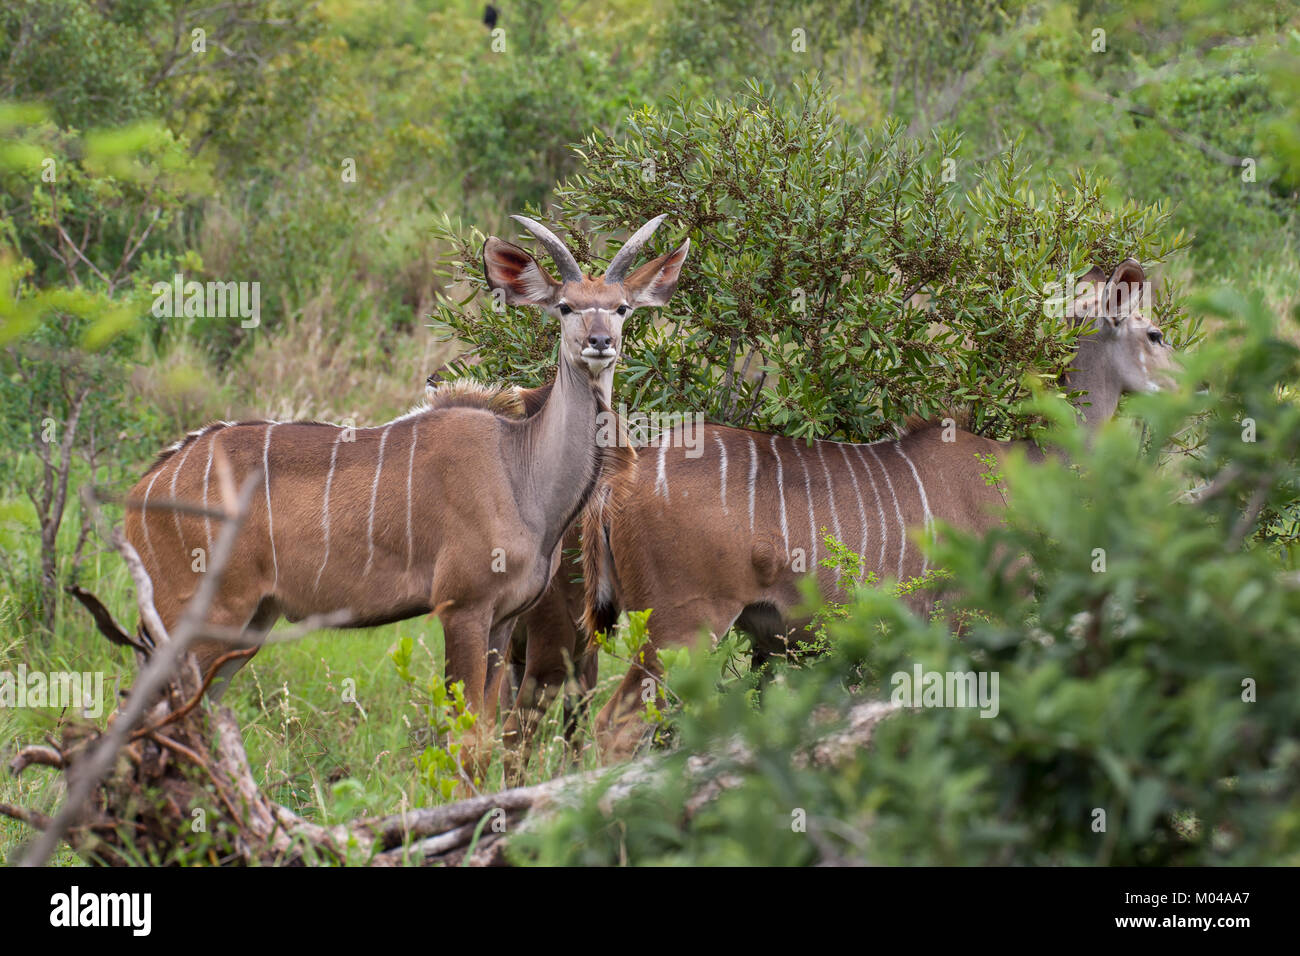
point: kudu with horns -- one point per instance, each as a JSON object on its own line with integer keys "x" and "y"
{"x": 457, "y": 507}
{"x": 724, "y": 538}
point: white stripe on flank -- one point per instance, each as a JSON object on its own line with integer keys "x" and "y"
{"x": 880, "y": 511}
{"x": 144, "y": 516}
{"x": 925, "y": 502}
{"x": 753, "y": 474}
{"x": 266, "y": 481}
{"x": 862, "y": 512}
{"x": 830, "y": 492}
{"x": 410, "y": 467}
{"x": 661, "y": 479}
{"x": 207, "y": 522}
{"x": 812, "y": 517}
{"x": 722, "y": 472}
{"x": 176, "y": 515}
{"x": 374, "y": 497}
{"x": 902, "y": 526}
{"x": 780, "y": 491}
{"x": 325, "y": 507}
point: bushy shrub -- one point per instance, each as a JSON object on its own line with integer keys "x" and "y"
{"x": 809, "y": 241}
{"x": 538, "y": 87}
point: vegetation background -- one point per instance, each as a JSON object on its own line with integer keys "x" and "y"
{"x": 829, "y": 159}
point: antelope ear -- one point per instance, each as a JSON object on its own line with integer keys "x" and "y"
{"x": 654, "y": 282}
{"x": 1123, "y": 292}
{"x": 1086, "y": 299}
{"x": 516, "y": 274}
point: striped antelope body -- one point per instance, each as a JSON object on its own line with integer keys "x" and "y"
{"x": 458, "y": 506}
{"x": 723, "y": 539}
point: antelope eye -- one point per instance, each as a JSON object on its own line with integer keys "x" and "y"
{"x": 1155, "y": 336}
{"x": 622, "y": 310}
{"x": 564, "y": 308}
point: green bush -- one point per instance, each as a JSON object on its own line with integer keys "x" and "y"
{"x": 539, "y": 87}
{"x": 807, "y": 241}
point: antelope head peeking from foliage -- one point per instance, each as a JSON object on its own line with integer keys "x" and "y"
{"x": 1123, "y": 351}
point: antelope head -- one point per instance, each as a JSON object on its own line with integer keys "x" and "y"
{"x": 1125, "y": 352}
{"x": 591, "y": 310}
{"x": 1124, "y": 340}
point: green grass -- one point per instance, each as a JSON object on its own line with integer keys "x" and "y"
{"x": 327, "y": 759}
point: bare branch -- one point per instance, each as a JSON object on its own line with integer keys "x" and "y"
{"x": 151, "y": 679}
{"x": 36, "y": 754}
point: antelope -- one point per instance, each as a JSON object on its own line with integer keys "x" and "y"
{"x": 457, "y": 507}
{"x": 723, "y": 539}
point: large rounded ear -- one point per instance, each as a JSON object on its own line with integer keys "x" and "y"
{"x": 514, "y": 274}
{"x": 1086, "y": 295}
{"x": 1123, "y": 293}
{"x": 654, "y": 283}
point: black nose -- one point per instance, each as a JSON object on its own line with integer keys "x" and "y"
{"x": 600, "y": 343}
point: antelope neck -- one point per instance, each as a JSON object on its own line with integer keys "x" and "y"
{"x": 1091, "y": 375}
{"x": 557, "y": 454}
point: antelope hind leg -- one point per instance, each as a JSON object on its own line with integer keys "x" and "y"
{"x": 620, "y": 730}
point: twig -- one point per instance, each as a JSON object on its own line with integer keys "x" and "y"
{"x": 170, "y": 504}
{"x": 155, "y": 673}
{"x": 1209, "y": 149}
{"x": 315, "y": 622}
{"x": 36, "y": 754}
{"x": 181, "y": 749}
{"x": 203, "y": 689}
{"x": 144, "y": 588}
{"x": 394, "y": 831}
{"x": 104, "y": 619}
{"x": 73, "y": 246}
{"x": 32, "y": 818}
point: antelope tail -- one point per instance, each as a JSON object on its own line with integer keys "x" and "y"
{"x": 599, "y": 577}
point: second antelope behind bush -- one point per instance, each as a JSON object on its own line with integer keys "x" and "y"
{"x": 725, "y": 539}
{"x": 458, "y": 506}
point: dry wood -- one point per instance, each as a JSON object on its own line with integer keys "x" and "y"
{"x": 157, "y": 672}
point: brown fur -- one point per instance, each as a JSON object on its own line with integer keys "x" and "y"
{"x": 467, "y": 393}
